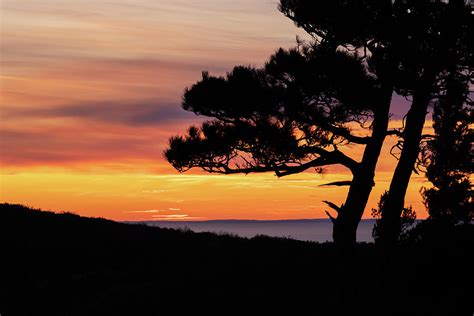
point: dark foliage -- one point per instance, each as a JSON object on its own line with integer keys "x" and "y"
{"x": 287, "y": 117}
{"x": 449, "y": 155}
{"x": 407, "y": 219}
{"x": 64, "y": 264}
{"x": 409, "y": 38}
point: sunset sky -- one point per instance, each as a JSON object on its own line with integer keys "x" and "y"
{"x": 91, "y": 91}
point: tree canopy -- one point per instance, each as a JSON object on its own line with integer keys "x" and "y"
{"x": 286, "y": 117}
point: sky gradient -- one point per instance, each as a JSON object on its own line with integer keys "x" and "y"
{"x": 91, "y": 91}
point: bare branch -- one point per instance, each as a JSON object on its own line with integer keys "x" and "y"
{"x": 395, "y": 132}
{"x": 427, "y": 136}
{"x": 330, "y": 216}
{"x": 337, "y": 183}
{"x": 345, "y": 133}
{"x": 325, "y": 158}
{"x": 334, "y": 157}
{"x": 399, "y": 146}
{"x": 333, "y": 206}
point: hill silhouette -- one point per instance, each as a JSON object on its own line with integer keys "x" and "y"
{"x": 65, "y": 264}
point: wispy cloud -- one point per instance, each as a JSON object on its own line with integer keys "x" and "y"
{"x": 133, "y": 112}
{"x": 145, "y": 211}
{"x": 176, "y": 217}
{"x": 155, "y": 191}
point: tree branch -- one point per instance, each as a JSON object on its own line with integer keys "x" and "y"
{"x": 345, "y": 133}
{"x": 318, "y": 162}
{"x": 326, "y": 158}
{"x": 332, "y": 205}
{"x": 330, "y": 216}
{"x": 395, "y": 132}
{"x": 401, "y": 135}
{"x": 337, "y": 183}
{"x": 334, "y": 157}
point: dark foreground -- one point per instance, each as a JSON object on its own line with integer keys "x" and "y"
{"x": 63, "y": 264}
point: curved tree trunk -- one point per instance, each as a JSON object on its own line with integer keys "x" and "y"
{"x": 393, "y": 206}
{"x": 350, "y": 213}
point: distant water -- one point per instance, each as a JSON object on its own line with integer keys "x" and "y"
{"x": 319, "y": 230}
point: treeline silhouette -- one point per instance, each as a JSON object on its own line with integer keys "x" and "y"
{"x": 65, "y": 264}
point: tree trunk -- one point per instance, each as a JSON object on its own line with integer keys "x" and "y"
{"x": 395, "y": 201}
{"x": 350, "y": 213}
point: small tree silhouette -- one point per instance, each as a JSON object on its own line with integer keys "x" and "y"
{"x": 450, "y": 157}
{"x": 407, "y": 218}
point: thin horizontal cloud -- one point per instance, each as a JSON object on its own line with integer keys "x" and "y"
{"x": 176, "y": 217}
{"x": 145, "y": 211}
{"x": 135, "y": 113}
{"x": 134, "y": 28}
{"x": 155, "y": 191}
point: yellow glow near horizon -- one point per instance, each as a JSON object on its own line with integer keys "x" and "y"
{"x": 133, "y": 196}
{"x": 121, "y": 194}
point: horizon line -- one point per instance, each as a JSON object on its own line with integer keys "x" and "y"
{"x": 235, "y": 220}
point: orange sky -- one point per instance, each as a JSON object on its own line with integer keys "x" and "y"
{"x": 90, "y": 93}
